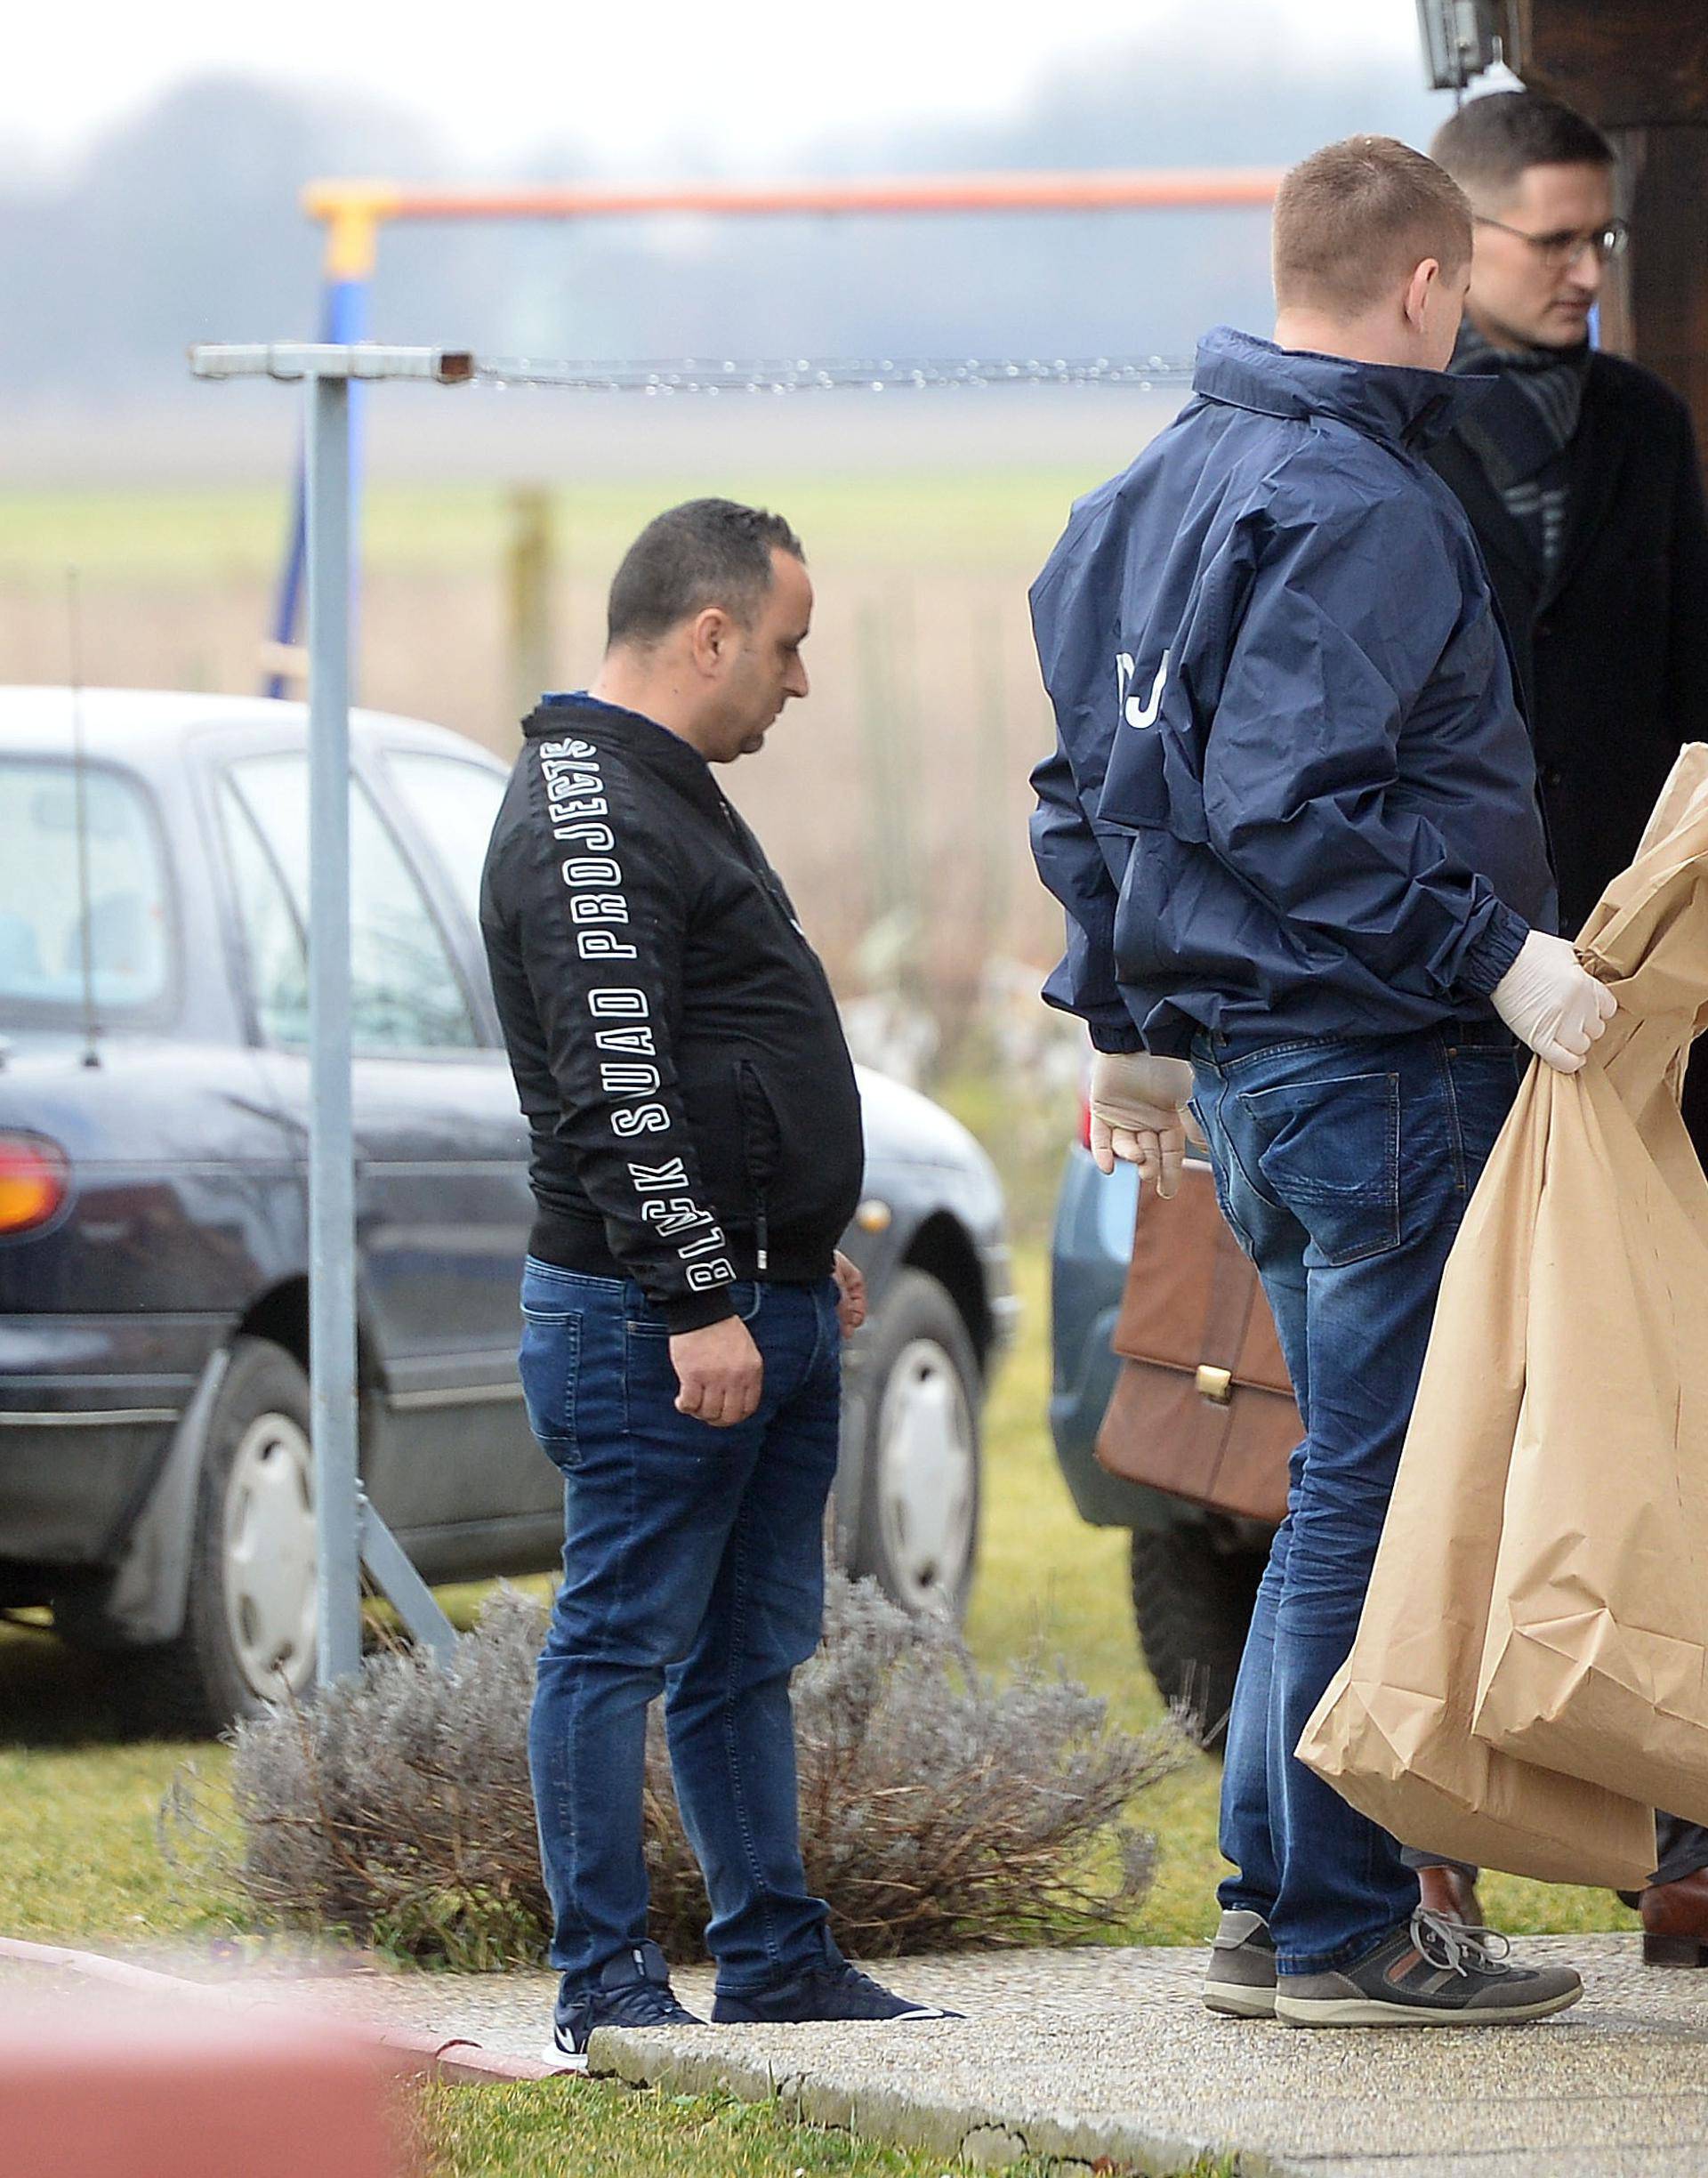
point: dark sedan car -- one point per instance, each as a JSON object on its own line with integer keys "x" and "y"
{"x": 155, "y": 1469}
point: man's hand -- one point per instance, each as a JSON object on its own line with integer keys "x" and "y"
{"x": 1137, "y": 1114}
{"x": 850, "y": 1294}
{"x": 1551, "y": 1001}
{"x": 720, "y": 1371}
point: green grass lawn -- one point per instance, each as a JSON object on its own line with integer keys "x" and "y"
{"x": 552, "y": 2130}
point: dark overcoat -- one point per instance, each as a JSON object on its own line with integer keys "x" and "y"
{"x": 1612, "y": 654}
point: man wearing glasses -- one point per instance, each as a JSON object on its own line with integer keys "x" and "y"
{"x": 1580, "y": 474}
{"x": 1581, "y": 477}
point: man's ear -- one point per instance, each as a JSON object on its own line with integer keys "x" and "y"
{"x": 709, "y": 640}
{"x": 1425, "y": 276}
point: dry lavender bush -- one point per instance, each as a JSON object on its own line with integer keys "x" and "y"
{"x": 937, "y": 1806}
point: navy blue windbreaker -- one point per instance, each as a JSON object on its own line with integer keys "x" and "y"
{"x": 1291, "y": 791}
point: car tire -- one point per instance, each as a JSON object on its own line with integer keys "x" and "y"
{"x": 1192, "y": 1604}
{"x": 248, "y": 1637}
{"x": 916, "y": 1522}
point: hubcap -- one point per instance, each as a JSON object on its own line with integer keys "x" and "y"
{"x": 927, "y": 1475}
{"x": 269, "y": 1557}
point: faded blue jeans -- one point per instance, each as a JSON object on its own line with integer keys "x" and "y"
{"x": 694, "y": 1565}
{"x": 1344, "y": 1167}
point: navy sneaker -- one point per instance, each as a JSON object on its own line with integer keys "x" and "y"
{"x": 1430, "y": 1971}
{"x": 633, "y": 1991}
{"x": 836, "y": 1991}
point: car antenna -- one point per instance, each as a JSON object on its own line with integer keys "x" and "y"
{"x": 86, "y": 930}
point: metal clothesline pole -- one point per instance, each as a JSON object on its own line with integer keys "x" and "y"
{"x": 349, "y": 1533}
{"x": 332, "y": 1179}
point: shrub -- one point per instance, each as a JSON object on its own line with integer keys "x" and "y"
{"x": 938, "y": 1805}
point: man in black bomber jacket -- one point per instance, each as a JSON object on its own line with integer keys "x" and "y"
{"x": 694, "y": 1128}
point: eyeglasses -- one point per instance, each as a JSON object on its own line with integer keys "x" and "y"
{"x": 1558, "y": 251}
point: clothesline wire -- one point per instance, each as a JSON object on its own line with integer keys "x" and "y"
{"x": 805, "y": 374}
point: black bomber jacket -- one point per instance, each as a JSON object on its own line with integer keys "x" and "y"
{"x": 690, "y": 1100}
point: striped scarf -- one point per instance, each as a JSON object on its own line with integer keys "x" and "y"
{"x": 1521, "y": 431}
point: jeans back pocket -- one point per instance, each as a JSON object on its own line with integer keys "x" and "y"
{"x": 1328, "y": 1151}
{"x": 548, "y": 1365}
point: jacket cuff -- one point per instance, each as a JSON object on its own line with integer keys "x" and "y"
{"x": 1109, "y": 1039}
{"x": 1488, "y": 959}
{"x": 694, "y": 1312}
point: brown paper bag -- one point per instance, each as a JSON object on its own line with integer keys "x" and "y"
{"x": 1595, "y": 1662}
{"x": 1528, "y": 1674}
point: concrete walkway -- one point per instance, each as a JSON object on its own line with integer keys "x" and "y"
{"x": 1108, "y": 2055}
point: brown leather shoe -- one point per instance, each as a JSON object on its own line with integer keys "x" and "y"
{"x": 1675, "y": 1921}
{"x": 1451, "y": 1893}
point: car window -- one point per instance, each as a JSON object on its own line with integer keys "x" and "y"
{"x": 272, "y": 936}
{"x": 455, "y": 803}
{"x": 70, "y": 888}
{"x": 405, "y": 994}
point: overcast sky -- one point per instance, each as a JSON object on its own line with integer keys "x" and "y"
{"x": 746, "y": 81}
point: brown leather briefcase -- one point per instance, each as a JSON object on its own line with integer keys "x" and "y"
{"x": 1203, "y": 1407}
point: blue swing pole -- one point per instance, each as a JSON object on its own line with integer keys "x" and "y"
{"x": 346, "y": 295}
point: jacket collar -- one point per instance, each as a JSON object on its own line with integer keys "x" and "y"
{"x": 1408, "y": 409}
{"x": 640, "y": 738}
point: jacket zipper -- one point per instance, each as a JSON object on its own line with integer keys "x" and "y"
{"x": 744, "y": 1075}
{"x": 762, "y": 870}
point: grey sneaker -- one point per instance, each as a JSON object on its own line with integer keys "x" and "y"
{"x": 1429, "y": 1973}
{"x": 1241, "y": 1980}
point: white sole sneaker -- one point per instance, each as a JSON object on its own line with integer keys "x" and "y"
{"x": 561, "y": 2060}
{"x": 1370, "y": 2012}
{"x": 1238, "y": 2000}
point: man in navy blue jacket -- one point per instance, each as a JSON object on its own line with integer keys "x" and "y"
{"x": 1292, "y": 814}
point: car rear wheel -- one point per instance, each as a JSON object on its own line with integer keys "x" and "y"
{"x": 917, "y": 1524}
{"x": 249, "y": 1627}
{"x": 1193, "y": 1606}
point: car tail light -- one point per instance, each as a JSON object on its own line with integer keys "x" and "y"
{"x": 35, "y": 1179}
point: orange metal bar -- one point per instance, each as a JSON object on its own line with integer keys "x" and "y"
{"x": 1185, "y": 187}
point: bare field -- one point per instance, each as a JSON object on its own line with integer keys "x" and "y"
{"x": 894, "y": 799}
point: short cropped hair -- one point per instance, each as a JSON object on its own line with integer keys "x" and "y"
{"x": 707, "y": 552}
{"x": 1354, "y": 219}
{"x": 1488, "y": 144}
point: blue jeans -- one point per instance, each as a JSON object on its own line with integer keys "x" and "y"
{"x": 1344, "y": 1167}
{"x": 694, "y": 1565}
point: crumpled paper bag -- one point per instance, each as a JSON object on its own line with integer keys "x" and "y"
{"x": 1530, "y": 1674}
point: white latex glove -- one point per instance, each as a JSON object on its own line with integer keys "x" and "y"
{"x": 1551, "y": 1001}
{"x": 1137, "y": 1114}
